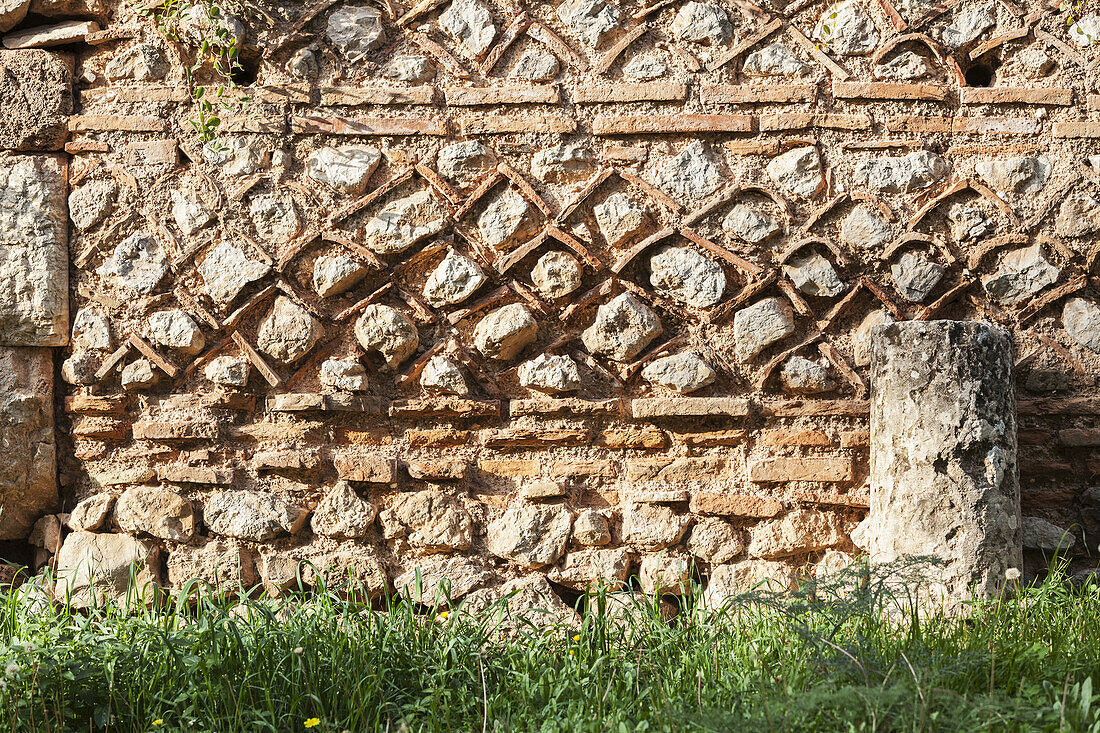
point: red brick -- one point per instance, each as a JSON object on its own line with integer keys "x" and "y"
{"x": 1025, "y": 95}
{"x": 734, "y": 505}
{"x": 1079, "y": 437}
{"x": 783, "y": 470}
{"x": 656, "y": 407}
{"x": 97, "y": 404}
{"x": 355, "y": 96}
{"x": 671, "y": 124}
{"x": 374, "y": 468}
{"x": 171, "y": 431}
{"x": 888, "y": 90}
{"x": 648, "y": 91}
{"x": 197, "y": 475}
{"x": 295, "y": 402}
{"x": 744, "y": 94}
{"x": 518, "y": 438}
{"x": 510, "y": 94}
{"x": 1077, "y": 129}
{"x": 567, "y": 469}
{"x": 315, "y": 124}
{"x": 445, "y": 407}
{"x": 630, "y": 438}
{"x": 504, "y": 125}
{"x": 807, "y": 438}
{"x": 806, "y": 120}
{"x": 437, "y": 438}
{"x": 117, "y": 123}
{"x": 712, "y": 438}
{"x": 803, "y": 408}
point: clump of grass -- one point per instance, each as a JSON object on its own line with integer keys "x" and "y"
{"x": 848, "y": 655}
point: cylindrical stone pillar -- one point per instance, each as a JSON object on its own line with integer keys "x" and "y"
{"x": 944, "y": 477}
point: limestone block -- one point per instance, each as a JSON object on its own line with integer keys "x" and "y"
{"x": 531, "y": 536}
{"x": 439, "y": 581}
{"x": 96, "y": 568}
{"x": 220, "y": 563}
{"x": 251, "y": 515}
{"x": 156, "y": 512}
{"x": 591, "y": 568}
{"x": 514, "y": 607}
{"x": 37, "y": 91}
{"x": 343, "y": 513}
{"x": 28, "y": 475}
{"x": 429, "y": 520}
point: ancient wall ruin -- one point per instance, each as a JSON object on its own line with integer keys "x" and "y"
{"x": 504, "y": 290}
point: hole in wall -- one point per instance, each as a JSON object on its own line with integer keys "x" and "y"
{"x": 247, "y": 69}
{"x": 982, "y": 72}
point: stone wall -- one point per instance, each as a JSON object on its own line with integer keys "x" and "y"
{"x": 578, "y": 290}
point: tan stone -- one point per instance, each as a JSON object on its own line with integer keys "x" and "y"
{"x": 795, "y": 533}
{"x": 225, "y": 565}
{"x": 95, "y": 568}
{"x": 429, "y": 520}
{"x": 343, "y": 514}
{"x": 591, "y": 568}
{"x": 157, "y": 512}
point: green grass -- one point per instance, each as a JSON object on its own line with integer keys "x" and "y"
{"x": 830, "y": 659}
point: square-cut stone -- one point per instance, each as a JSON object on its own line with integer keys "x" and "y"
{"x": 28, "y": 475}
{"x": 37, "y": 91}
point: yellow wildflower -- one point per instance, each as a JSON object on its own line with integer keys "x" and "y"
{"x": 158, "y": 721}
{"x": 577, "y": 637}
{"x": 313, "y": 722}
{"x": 444, "y": 615}
{"x": 572, "y": 652}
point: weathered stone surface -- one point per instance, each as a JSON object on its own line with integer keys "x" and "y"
{"x": 34, "y": 272}
{"x": 550, "y": 373}
{"x": 37, "y": 89}
{"x": 505, "y": 332}
{"x": 453, "y": 281}
{"x": 814, "y": 275}
{"x": 682, "y": 273}
{"x": 138, "y": 374}
{"x": 590, "y": 20}
{"x": 691, "y": 173}
{"x": 189, "y": 214}
{"x": 177, "y": 330}
{"x": 335, "y": 274}
{"x": 683, "y": 373}
{"x": 91, "y": 329}
{"x": 906, "y": 66}
{"x": 517, "y": 606}
{"x": 90, "y": 204}
{"x": 343, "y": 514}
{"x": 1039, "y": 534}
{"x": 470, "y": 24}
{"x": 1086, "y": 30}
{"x": 916, "y": 276}
{"x": 228, "y": 371}
{"x": 714, "y": 540}
{"x": 96, "y": 568}
{"x": 750, "y": 225}
{"x": 12, "y": 13}
{"x": 138, "y": 263}
{"x": 412, "y": 68}
{"x": 28, "y": 478}
{"x": 561, "y": 163}
{"x": 405, "y": 221}
{"x": 969, "y": 222}
{"x": 239, "y": 156}
{"x": 653, "y": 526}
{"x": 225, "y": 565}
{"x": 1078, "y": 215}
{"x": 536, "y": 64}
{"x": 387, "y": 331}
{"x": 1081, "y": 319}
{"x": 441, "y": 374}
{"x": 944, "y": 478}
{"x": 865, "y": 228}
{"x": 275, "y": 217}
{"x": 912, "y": 172}
{"x": 556, "y": 274}
{"x": 666, "y": 573}
{"x": 465, "y": 162}
{"x": 251, "y": 515}
{"x": 435, "y": 582}
{"x": 760, "y": 325}
{"x": 623, "y": 327}
{"x": 800, "y": 375}
{"x": 775, "y": 59}
{"x": 506, "y": 218}
{"x": 1022, "y": 273}
{"x": 795, "y": 533}
{"x": 532, "y": 535}
{"x": 429, "y": 520}
{"x": 344, "y": 376}
{"x": 1015, "y": 175}
{"x": 356, "y": 31}
{"x": 227, "y": 270}
{"x": 352, "y": 570}
{"x": 861, "y": 337}
{"x": 90, "y": 514}
{"x": 590, "y": 528}
{"x": 157, "y": 512}
{"x": 140, "y": 62}
{"x": 288, "y": 332}
{"x": 969, "y": 24}
{"x": 646, "y": 66}
{"x": 197, "y": 23}
{"x": 80, "y": 368}
{"x": 705, "y": 23}
{"x": 726, "y": 582}
{"x": 798, "y": 171}
{"x": 848, "y": 29}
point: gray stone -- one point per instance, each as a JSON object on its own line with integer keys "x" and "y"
{"x": 1039, "y": 534}
{"x": 288, "y": 332}
{"x": 691, "y": 173}
{"x": 37, "y": 89}
{"x": 355, "y": 31}
{"x": 465, "y": 162}
{"x": 91, "y": 329}
{"x": 760, "y": 325}
{"x": 438, "y": 582}
{"x": 666, "y": 574}
{"x": 1034, "y": 62}
{"x": 93, "y": 569}
{"x": 140, "y": 62}
{"x": 251, "y": 515}
{"x": 429, "y": 520}
{"x": 227, "y": 269}
{"x": 865, "y": 228}
{"x": 470, "y": 24}
{"x": 90, "y": 204}
{"x": 12, "y": 13}
{"x": 593, "y": 569}
{"x": 344, "y": 376}
{"x": 80, "y": 368}
{"x": 505, "y": 332}
{"x": 969, "y": 24}
{"x": 623, "y": 327}
{"x": 620, "y": 219}
{"x": 346, "y": 169}
{"x": 275, "y": 217}
{"x": 387, "y": 331}
{"x": 1086, "y": 31}
{"x": 157, "y": 512}
{"x": 196, "y": 23}
{"x": 798, "y": 171}
{"x": 518, "y": 606}
{"x": 238, "y": 155}
{"x": 906, "y": 66}
{"x": 1079, "y": 215}
{"x": 453, "y": 281}
{"x": 138, "y": 263}
{"x": 336, "y": 274}
{"x": 727, "y": 582}
{"x": 590, "y": 529}
{"x": 775, "y": 59}
{"x": 441, "y": 374}
{"x": 848, "y": 29}
{"x": 682, "y": 273}
{"x": 563, "y": 162}
{"x": 683, "y": 373}
{"x": 795, "y": 533}
{"x": 944, "y": 478}
{"x": 705, "y": 23}
{"x": 536, "y": 64}
{"x": 550, "y": 373}
{"x": 413, "y": 69}
{"x": 590, "y": 20}
{"x": 748, "y": 224}
{"x": 343, "y": 514}
{"x": 228, "y": 371}
{"x": 506, "y": 218}
{"x": 530, "y": 536}
{"x": 90, "y": 514}
{"x": 646, "y": 66}
{"x": 969, "y": 222}
{"x": 1015, "y": 175}
{"x": 814, "y": 275}
{"x": 34, "y": 232}
{"x": 1022, "y": 273}
{"x": 138, "y": 374}
{"x": 714, "y": 540}
{"x": 861, "y": 337}
{"x": 652, "y": 526}
{"x": 28, "y": 473}
{"x": 916, "y": 276}
{"x": 803, "y": 376}
{"x": 189, "y": 215}
{"x": 176, "y": 330}
{"x": 556, "y": 274}
{"x": 912, "y": 172}
{"x": 304, "y": 64}
{"x": 1081, "y": 319}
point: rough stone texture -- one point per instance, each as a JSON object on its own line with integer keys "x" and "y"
{"x": 590, "y": 20}
{"x": 251, "y": 515}
{"x": 12, "y": 13}
{"x": 969, "y": 24}
{"x": 465, "y": 162}
{"x": 715, "y": 541}
{"x": 28, "y": 475}
{"x": 138, "y": 263}
{"x": 705, "y": 23}
{"x": 795, "y": 533}
{"x": 802, "y": 376}
{"x": 749, "y": 224}
{"x": 387, "y": 331}
{"x": 90, "y": 204}
{"x": 91, "y": 330}
{"x": 562, "y": 163}
{"x": 228, "y": 371}
{"x": 343, "y": 514}
{"x": 227, "y": 269}
{"x": 1015, "y": 175}
{"x": 536, "y": 64}
{"x": 470, "y": 24}
{"x": 288, "y": 332}
{"x": 345, "y": 376}
{"x": 798, "y": 171}
{"x": 774, "y": 59}
{"x": 682, "y": 273}
{"x": 188, "y": 213}
{"x": 727, "y": 582}
{"x": 225, "y": 565}
{"x": 355, "y": 31}
{"x": 550, "y": 373}
{"x": 440, "y": 581}
{"x": 506, "y": 218}
{"x": 556, "y": 274}
{"x": 275, "y": 217}
{"x": 847, "y": 28}
{"x": 335, "y": 274}
{"x": 761, "y": 325}
{"x": 443, "y": 375}
{"x": 814, "y": 275}
{"x": 34, "y": 272}
{"x": 1022, "y": 273}
{"x": 681, "y": 373}
{"x": 518, "y": 606}
{"x": 138, "y": 375}
{"x": 405, "y": 221}
{"x": 412, "y": 69}
{"x": 37, "y": 89}
{"x": 665, "y": 574}
{"x": 865, "y": 228}
{"x": 429, "y": 520}
{"x": 944, "y": 476}
{"x": 505, "y": 332}
{"x": 453, "y": 281}
{"x": 585, "y": 569}
{"x": 623, "y": 327}
{"x": 239, "y": 156}
{"x": 911, "y": 172}
{"x": 1081, "y": 319}
{"x": 530, "y": 536}
{"x": 652, "y": 526}
{"x": 157, "y": 512}
{"x": 176, "y": 330}
{"x": 916, "y": 276}
{"x": 691, "y": 173}
{"x": 90, "y": 514}
{"x": 93, "y": 569}
{"x": 346, "y": 168}
{"x": 906, "y": 66}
